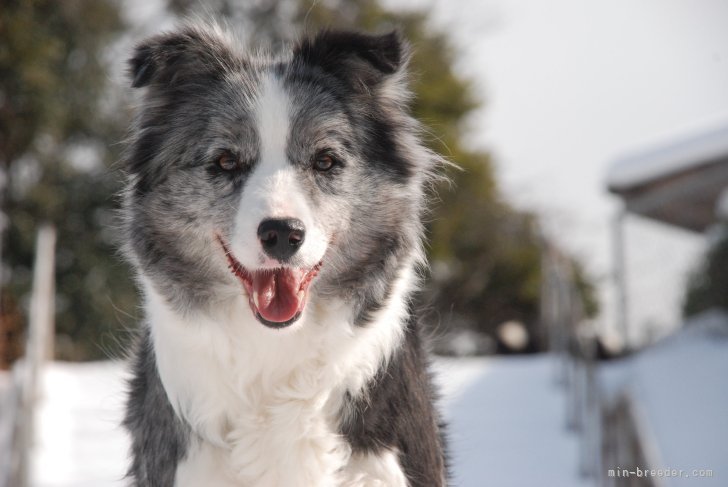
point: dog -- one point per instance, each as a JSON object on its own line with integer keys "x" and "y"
{"x": 273, "y": 214}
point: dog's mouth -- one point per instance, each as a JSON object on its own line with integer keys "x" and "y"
{"x": 276, "y": 296}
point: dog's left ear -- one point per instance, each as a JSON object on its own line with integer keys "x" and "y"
{"x": 360, "y": 60}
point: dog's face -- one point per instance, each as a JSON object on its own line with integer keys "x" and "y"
{"x": 274, "y": 181}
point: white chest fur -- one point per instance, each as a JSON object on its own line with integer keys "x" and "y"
{"x": 263, "y": 404}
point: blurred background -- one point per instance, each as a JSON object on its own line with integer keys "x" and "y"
{"x": 578, "y": 292}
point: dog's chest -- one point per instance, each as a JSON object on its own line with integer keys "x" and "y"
{"x": 288, "y": 443}
{"x": 260, "y": 414}
{"x": 264, "y": 409}
{"x": 270, "y": 439}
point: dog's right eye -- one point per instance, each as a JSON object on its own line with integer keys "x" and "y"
{"x": 228, "y": 161}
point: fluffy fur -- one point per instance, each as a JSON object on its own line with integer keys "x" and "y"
{"x": 340, "y": 393}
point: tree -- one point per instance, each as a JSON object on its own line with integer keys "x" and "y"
{"x": 708, "y": 284}
{"x": 56, "y": 149}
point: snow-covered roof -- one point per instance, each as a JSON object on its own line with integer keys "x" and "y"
{"x": 648, "y": 165}
{"x": 678, "y": 183}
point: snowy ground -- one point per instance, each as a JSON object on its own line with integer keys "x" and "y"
{"x": 506, "y": 423}
{"x": 79, "y": 441}
{"x": 505, "y": 415}
{"x": 679, "y": 393}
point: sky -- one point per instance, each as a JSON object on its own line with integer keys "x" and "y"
{"x": 571, "y": 86}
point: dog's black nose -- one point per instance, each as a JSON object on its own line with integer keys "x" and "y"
{"x": 281, "y": 238}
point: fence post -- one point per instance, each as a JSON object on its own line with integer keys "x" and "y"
{"x": 25, "y": 390}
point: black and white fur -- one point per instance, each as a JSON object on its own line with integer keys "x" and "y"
{"x": 341, "y": 395}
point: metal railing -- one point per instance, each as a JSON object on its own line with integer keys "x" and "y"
{"x": 572, "y": 338}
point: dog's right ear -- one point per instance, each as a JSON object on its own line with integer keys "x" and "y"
{"x": 184, "y": 55}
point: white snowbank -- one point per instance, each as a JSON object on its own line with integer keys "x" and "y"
{"x": 680, "y": 387}
{"x": 506, "y": 424}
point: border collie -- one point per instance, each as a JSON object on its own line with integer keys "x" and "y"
{"x": 273, "y": 213}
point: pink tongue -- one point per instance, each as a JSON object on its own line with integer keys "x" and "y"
{"x": 277, "y": 292}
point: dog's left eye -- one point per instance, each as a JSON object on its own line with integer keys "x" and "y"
{"x": 323, "y": 162}
{"x": 228, "y": 161}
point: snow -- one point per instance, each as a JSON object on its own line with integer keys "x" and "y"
{"x": 507, "y": 422}
{"x": 79, "y": 440}
{"x": 680, "y": 389}
{"x": 644, "y": 166}
{"x": 505, "y": 415}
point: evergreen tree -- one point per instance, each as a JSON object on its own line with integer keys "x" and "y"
{"x": 56, "y": 150}
{"x": 708, "y": 284}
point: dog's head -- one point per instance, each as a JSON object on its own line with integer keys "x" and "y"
{"x": 278, "y": 180}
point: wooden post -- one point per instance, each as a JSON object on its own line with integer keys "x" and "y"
{"x": 38, "y": 350}
{"x": 42, "y": 305}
